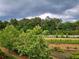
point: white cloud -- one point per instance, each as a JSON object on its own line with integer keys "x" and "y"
{"x": 61, "y": 16}
{"x": 72, "y": 11}
{"x": 43, "y": 16}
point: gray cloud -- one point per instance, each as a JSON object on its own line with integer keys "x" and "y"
{"x": 25, "y": 8}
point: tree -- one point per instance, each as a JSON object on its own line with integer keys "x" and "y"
{"x": 36, "y": 21}
{"x": 77, "y": 25}
{"x": 67, "y": 26}
{"x": 51, "y": 24}
{"x": 2, "y": 26}
{"x": 14, "y": 22}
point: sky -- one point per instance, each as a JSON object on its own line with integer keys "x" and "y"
{"x": 68, "y": 10}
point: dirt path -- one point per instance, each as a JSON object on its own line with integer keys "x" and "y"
{"x": 55, "y": 57}
{"x": 7, "y": 52}
{"x": 63, "y": 46}
{"x": 66, "y": 46}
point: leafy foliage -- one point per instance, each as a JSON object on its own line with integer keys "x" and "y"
{"x": 54, "y": 26}
{"x": 74, "y": 56}
{"x": 29, "y": 43}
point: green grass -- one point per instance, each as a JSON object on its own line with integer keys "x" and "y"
{"x": 75, "y": 56}
{"x": 60, "y": 41}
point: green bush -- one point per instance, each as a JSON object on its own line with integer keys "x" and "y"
{"x": 8, "y": 37}
{"x": 29, "y": 43}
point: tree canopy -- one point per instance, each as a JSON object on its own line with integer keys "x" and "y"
{"x": 52, "y": 25}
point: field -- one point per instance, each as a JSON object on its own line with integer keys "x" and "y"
{"x": 64, "y": 48}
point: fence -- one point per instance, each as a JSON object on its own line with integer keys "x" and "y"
{"x": 62, "y": 36}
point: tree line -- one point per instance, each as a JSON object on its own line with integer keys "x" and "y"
{"x": 52, "y": 26}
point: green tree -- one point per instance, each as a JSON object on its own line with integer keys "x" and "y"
{"x": 2, "y": 26}
{"x": 13, "y": 22}
{"x": 77, "y": 25}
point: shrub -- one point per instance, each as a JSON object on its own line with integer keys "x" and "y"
{"x": 29, "y": 43}
{"x": 8, "y": 36}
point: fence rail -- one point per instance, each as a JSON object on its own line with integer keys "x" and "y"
{"x": 62, "y": 36}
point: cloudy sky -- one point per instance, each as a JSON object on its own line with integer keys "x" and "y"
{"x": 65, "y": 9}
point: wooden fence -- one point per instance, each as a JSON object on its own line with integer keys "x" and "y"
{"x": 62, "y": 36}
